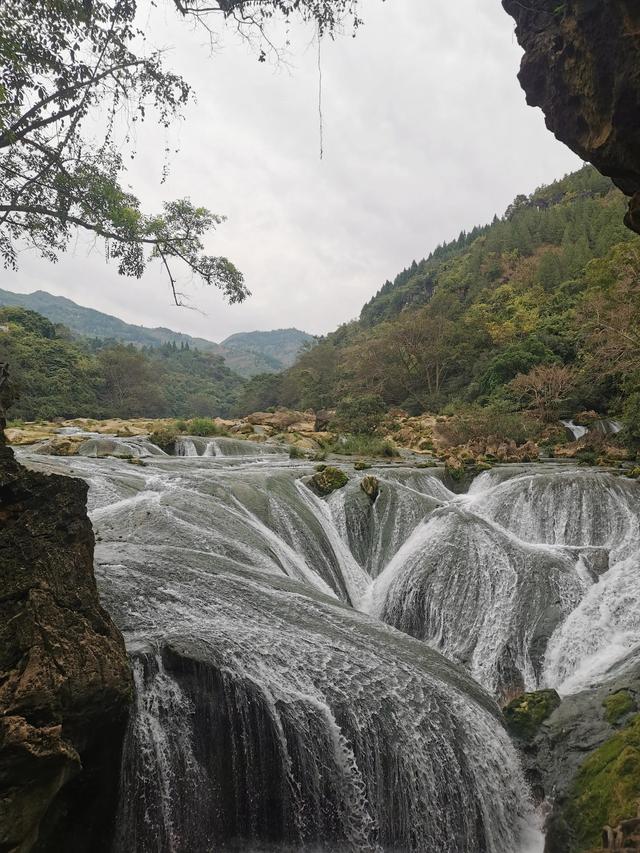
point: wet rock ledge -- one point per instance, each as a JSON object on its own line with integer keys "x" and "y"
{"x": 65, "y": 684}
{"x": 582, "y": 67}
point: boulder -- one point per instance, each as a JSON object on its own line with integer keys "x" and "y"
{"x": 370, "y": 485}
{"x": 65, "y": 684}
{"x": 61, "y": 445}
{"x": 328, "y": 480}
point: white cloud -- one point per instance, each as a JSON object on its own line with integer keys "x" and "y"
{"x": 426, "y": 132}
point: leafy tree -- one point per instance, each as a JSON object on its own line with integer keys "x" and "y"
{"x": 60, "y": 62}
{"x": 545, "y": 388}
{"x": 359, "y": 415}
{"x": 130, "y": 385}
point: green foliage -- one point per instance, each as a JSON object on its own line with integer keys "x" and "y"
{"x": 359, "y": 415}
{"x": 328, "y": 480}
{"x": 205, "y": 427}
{"x": 61, "y": 62}
{"x": 606, "y": 788}
{"x": 58, "y": 376}
{"x": 618, "y": 705}
{"x": 53, "y": 377}
{"x": 524, "y": 715}
{"x": 165, "y": 439}
{"x": 296, "y": 452}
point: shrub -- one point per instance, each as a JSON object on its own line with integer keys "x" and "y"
{"x": 296, "y": 452}
{"x": 205, "y": 427}
{"x": 165, "y": 439}
{"x": 359, "y": 415}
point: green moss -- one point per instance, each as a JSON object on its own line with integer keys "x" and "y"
{"x": 524, "y": 715}
{"x": 617, "y": 705}
{"x": 606, "y": 788}
{"x": 359, "y": 465}
{"x": 328, "y": 480}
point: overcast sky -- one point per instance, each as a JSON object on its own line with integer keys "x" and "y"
{"x": 426, "y": 132}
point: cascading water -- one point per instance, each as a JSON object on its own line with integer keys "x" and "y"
{"x": 270, "y": 712}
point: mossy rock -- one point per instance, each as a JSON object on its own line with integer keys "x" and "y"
{"x": 524, "y": 716}
{"x": 371, "y": 487}
{"x": 361, "y": 466}
{"x": 329, "y": 480}
{"x": 606, "y": 788}
{"x": 618, "y": 705}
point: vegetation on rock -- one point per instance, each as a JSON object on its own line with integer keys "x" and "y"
{"x": 370, "y": 485}
{"x": 524, "y": 715}
{"x": 607, "y": 787}
{"x": 328, "y": 480}
{"x": 618, "y": 705}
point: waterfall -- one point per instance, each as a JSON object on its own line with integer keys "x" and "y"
{"x": 270, "y": 711}
{"x": 185, "y": 447}
{"x": 577, "y": 431}
{"x": 223, "y": 447}
{"x": 479, "y": 595}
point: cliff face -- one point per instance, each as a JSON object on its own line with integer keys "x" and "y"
{"x": 582, "y": 67}
{"x": 65, "y": 684}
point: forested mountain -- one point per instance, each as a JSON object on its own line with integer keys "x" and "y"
{"x": 247, "y": 353}
{"x": 59, "y": 375}
{"x": 542, "y": 303}
{"x": 250, "y": 353}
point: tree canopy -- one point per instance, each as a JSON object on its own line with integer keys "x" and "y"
{"x": 63, "y": 63}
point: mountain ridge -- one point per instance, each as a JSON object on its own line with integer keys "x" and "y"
{"x": 264, "y": 351}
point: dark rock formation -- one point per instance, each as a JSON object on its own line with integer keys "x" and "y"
{"x": 582, "y": 67}
{"x": 561, "y": 754}
{"x": 65, "y": 684}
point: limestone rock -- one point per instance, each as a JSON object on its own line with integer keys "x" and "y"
{"x": 328, "y": 480}
{"x": 65, "y": 684}
{"x": 370, "y": 485}
{"x": 581, "y": 67}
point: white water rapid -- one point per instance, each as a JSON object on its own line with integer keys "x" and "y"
{"x": 316, "y": 674}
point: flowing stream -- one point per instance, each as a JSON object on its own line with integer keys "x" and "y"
{"x": 322, "y": 674}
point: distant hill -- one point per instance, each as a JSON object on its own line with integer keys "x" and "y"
{"x": 247, "y": 353}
